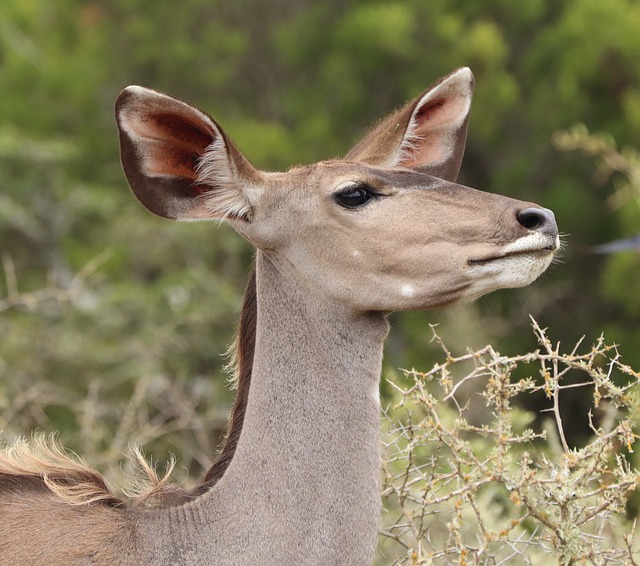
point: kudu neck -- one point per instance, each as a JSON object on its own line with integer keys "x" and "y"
{"x": 301, "y": 333}
{"x": 309, "y": 450}
{"x": 316, "y": 371}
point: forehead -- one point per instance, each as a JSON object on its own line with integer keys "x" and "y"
{"x": 332, "y": 173}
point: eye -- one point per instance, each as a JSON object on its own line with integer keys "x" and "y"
{"x": 355, "y": 195}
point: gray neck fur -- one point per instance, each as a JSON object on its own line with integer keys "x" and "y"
{"x": 302, "y": 487}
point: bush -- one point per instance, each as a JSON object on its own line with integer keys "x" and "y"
{"x": 463, "y": 488}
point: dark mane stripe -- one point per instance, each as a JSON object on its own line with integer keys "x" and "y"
{"x": 242, "y": 359}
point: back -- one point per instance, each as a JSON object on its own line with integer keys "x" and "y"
{"x": 39, "y": 528}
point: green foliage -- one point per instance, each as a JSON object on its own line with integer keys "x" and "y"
{"x": 621, "y": 169}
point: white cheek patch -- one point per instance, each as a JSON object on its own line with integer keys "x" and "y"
{"x": 355, "y": 253}
{"x": 407, "y": 291}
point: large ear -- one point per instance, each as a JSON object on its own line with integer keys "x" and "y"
{"x": 178, "y": 161}
{"x": 428, "y": 133}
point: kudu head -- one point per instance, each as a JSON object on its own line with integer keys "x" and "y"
{"x": 386, "y": 228}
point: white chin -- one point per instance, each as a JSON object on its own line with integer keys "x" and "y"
{"x": 509, "y": 272}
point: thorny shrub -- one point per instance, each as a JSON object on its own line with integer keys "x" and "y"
{"x": 462, "y": 489}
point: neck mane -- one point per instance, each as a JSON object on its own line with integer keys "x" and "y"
{"x": 242, "y": 362}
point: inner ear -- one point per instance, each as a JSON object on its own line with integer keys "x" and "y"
{"x": 175, "y": 127}
{"x": 176, "y": 144}
{"x": 432, "y": 132}
{"x": 427, "y": 110}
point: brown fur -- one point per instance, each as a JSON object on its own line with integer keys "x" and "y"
{"x": 58, "y": 533}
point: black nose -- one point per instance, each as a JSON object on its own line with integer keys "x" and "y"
{"x": 539, "y": 220}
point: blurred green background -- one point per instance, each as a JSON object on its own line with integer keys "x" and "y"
{"x": 97, "y": 296}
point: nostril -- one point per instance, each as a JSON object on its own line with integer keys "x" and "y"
{"x": 530, "y": 218}
{"x": 538, "y": 220}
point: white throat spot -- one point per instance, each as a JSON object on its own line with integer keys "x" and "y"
{"x": 407, "y": 291}
{"x": 376, "y": 397}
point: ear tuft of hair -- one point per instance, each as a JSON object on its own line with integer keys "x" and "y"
{"x": 225, "y": 199}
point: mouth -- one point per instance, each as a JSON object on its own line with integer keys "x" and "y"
{"x": 550, "y": 249}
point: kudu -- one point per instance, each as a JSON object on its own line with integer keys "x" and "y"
{"x": 340, "y": 244}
